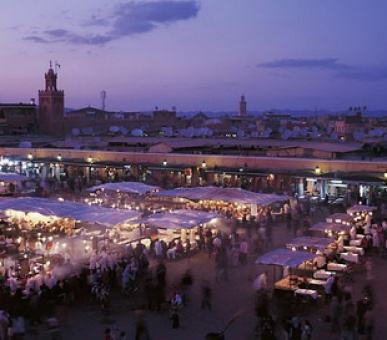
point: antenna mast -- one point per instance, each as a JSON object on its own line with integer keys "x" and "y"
{"x": 103, "y": 99}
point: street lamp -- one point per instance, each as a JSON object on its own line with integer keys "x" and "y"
{"x": 204, "y": 164}
{"x": 317, "y": 171}
{"x": 165, "y": 163}
{"x": 90, "y": 161}
{"x": 30, "y": 156}
{"x": 59, "y": 157}
{"x": 385, "y": 174}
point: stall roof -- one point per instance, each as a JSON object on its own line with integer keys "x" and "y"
{"x": 360, "y": 208}
{"x": 128, "y": 187}
{"x": 178, "y": 219}
{"x": 285, "y": 257}
{"x": 12, "y": 177}
{"x": 335, "y": 227}
{"x": 318, "y": 243}
{"x": 66, "y": 209}
{"x": 339, "y": 218}
{"x": 231, "y": 195}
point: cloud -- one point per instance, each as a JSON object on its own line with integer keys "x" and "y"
{"x": 327, "y": 63}
{"x": 364, "y": 74}
{"x": 340, "y": 70}
{"x": 36, "y": 39}
{"x": 125, "y": 20}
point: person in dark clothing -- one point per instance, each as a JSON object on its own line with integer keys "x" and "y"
{"x": 295, "y": 329}
{"x": 362, "y": 306}
{"x": 161, "y": 272}
{"x": 267, "y": 328}
{"x": 186, "y": 284}
{"x": 141, "y": 327}
{"x": 206, "y": 295}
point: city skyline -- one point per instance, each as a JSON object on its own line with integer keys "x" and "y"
{"x": 198, "y": 55}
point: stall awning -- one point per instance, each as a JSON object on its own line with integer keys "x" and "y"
{"x": 126, "y": 187}
{"x": 333, "y": 227}
{"x": 178, "y": 219}
{"x": 12, "y": 177}
{"x": 317, "y": 243}
{"x": 360, "y": 208}
{"x": 231, "y": 195}
{"x": 66, "y": 209}
{"x": 339, "y": 218}
{"x": 285, "y": 257}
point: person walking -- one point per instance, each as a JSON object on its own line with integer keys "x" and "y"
{"x": 176, "y": 307}
{"x": 243, "y": 250}
{"x": 307, "y": 330}
{"x": 206, "y": 295}
{"x": 186, "y": 284}
{"x": 140, "y": 325}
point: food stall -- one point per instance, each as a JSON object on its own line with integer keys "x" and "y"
{"x": 59, "y": 228}
{"x": 339, "y": 218}
{"x": 310, "y": 243}
{"x": 291, "y": 260}
{"x": 181, "y": 224}
{"x": 236, "y": 200}
{"x": 330, "y": 229}
{"x": 133, "y": 188}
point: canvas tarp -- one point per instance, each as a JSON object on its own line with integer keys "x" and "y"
{"x": 178, "y": 219}
{"x": 126, "y": 187}
{"x": 285, "y": 257}
{"x": 334, "y": 227}
{"x": 66, "y": 209}
{"x": 231, "y": 195}
{"x": 360, "y": 208}
{"x": 317, "y": 243}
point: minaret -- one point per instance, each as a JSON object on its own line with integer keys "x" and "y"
{"x": 51, "y": 105}
{"x": 242, "y": 107}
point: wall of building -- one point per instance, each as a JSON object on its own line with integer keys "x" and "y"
{"x": 283, "y": 163}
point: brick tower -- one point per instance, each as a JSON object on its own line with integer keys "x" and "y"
{"x": 51, "y": 105}
{"x": 242, "y": 107}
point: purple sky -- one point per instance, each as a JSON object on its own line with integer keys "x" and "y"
{"x": 198, "y": 55}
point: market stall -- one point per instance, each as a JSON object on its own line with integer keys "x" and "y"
{"x": 57, "y": 228}
{"x": 310, "y": 243}
{"x": 339, "y": 218}
{"x": 240, "y": 204}
{"x": 181, "y": 224}
{"x": 291, "y": 260}
{"x": 330, "y": 229}
{"x": 360, "y": 209}
{"x": 232, "y": 195}
{"x": 136, "y": 188}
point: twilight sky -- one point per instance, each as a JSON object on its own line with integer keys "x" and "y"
{"x": 198, "y": 54}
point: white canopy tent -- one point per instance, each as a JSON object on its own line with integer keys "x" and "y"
{"x": 184, "y": 219}
{"x": 125, "y": 187}
{"x": 231, "y": 195}
{"x": 65, "y": 209}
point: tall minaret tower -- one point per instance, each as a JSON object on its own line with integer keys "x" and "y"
{"x": 242, "y": 107}
{"x": 51, "y": 105}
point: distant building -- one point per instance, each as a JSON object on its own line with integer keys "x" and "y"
{"x": 18, "y": 118}
{"x": 242, "y": 107}
{"x": 51, "y": 106}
